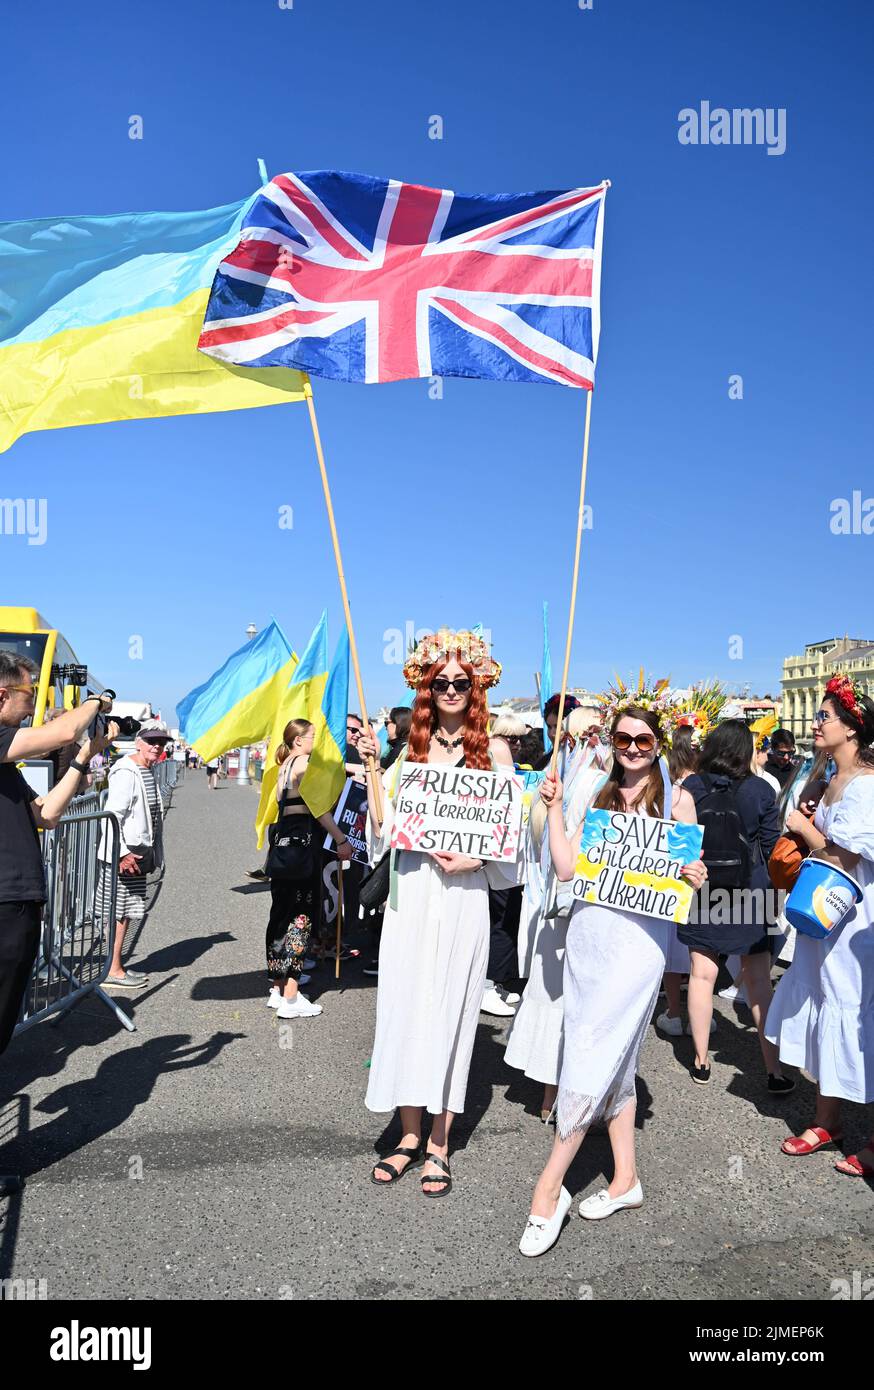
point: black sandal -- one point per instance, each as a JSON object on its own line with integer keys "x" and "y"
{"x": 447, "y": 1181}
{"x": 414, "y": 1155}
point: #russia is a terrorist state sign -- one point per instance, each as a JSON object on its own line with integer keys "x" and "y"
{"x": 633, "y": 863}
{"x": 458, "y": 810}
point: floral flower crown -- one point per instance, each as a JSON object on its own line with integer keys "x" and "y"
{"x": 700, "y": 711}
{"x": 619, "y": 697}
{"x": 444, "y": 644}
{"x": 847, "y": 693}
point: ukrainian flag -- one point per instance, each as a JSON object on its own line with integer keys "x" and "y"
{"x": 100, "y": 317}
{"x": 301, "y": 700}
{"x": 235, "y": 707}
{"x": 325, "y": 775}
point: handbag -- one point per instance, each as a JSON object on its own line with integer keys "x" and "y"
{"x": 790, "y": 851}
{"x": 784, "y": 865}
{"x": 146, "y": 856}
{"x": 292, "y": 852}
{"x": 374, "y": 886}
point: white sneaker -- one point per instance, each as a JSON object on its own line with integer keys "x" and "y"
{"x": 510, "y": 997}
{"x": 672, "y": 1026}
{"x": 730, "y": 992}
{"x": 300, "y": 1007}
{"x": 494, "y": 1004}
{"x": 602, "y": 1204}
{"x": 274, "y": 999}
{"x": 540, "y": 1235}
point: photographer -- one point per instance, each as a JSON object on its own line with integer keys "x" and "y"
{"x": 23, "y": 814}
{"x": 135, "y": 800}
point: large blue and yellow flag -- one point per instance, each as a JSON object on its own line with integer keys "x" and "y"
{"x": 325, "y": 776}
{"x": 302, "y": 699}
{"x": 236, "y": 706}
{"x": 100, "y": 316}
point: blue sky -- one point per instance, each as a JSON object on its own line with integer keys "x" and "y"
{"x": 710, "y": 515}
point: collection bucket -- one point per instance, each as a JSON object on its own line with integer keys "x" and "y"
{"x": 822, "y": 897}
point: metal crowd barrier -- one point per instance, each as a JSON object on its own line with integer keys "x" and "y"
{"x": 168, "y": 775}
{"x": 78, "y": 926}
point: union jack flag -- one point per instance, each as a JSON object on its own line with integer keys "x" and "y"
{"x": 364, "y": 279}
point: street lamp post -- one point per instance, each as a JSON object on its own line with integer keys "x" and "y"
{"x": 243, "y": 778}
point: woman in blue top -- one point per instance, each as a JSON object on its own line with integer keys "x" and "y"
{"x": 726, "y": 763}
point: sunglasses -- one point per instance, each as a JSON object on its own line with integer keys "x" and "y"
{"x": 822, "y": 716}
{"x": 644, "y": 743}
{"x": 441, "y": 685}
{"x": 25, "y": 689}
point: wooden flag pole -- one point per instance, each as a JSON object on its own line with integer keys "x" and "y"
{"x": 374, "y": 785}
{"x": 339, "y": 916}
{"x": 570, "y": 623}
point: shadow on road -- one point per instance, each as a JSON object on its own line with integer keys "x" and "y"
{"x": 89, "y": 1109}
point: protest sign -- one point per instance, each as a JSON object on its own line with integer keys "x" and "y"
{"x": 458, "y": 810}
{"x": 351, "y": 816}
{"x": 633, "y": 863}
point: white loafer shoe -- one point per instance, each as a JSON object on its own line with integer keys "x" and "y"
{"x": 541, "y": 1234}
{"x": 602, "y": 1204}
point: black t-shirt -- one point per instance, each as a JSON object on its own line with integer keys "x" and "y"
{"x": 21, "y": 872}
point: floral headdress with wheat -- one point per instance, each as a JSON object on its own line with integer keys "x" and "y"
{"x": 700, "y": 710}
{"x": 619, "y": 697}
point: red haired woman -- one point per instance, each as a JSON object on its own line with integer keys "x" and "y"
{"x": 434, "y": 948}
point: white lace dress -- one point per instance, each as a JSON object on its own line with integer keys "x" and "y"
{"x": 614, "y": 962}
{"x": 822, "y": 1013}
{"x": 433, "y": 955}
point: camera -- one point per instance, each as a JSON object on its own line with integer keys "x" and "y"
{"x": 128, "y": 727}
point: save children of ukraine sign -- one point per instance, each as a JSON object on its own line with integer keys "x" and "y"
{"x": 633, "y": 863}
{"x": 458, "y": 810}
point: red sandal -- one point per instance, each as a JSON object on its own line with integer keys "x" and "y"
{"x": 853, "y": 1167}
{"x": 803, "y": 1147}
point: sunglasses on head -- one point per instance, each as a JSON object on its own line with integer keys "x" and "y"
{"x": 644, "y": 743}
{"x": 441, "y": 684}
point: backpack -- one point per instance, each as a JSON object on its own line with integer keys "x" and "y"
{"x": 726, "y": 850}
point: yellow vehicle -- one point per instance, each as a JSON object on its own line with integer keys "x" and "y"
{"x": 63, "y": 680}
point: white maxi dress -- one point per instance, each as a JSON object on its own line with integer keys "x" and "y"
{"x": 822, "y": 1013}
{"x": 433, "y": 955}
{"x": 614, "y": 962}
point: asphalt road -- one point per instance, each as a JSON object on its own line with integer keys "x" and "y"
{"x": 204, "y": 1157}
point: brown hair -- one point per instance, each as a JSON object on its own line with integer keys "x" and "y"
{"x": 295, "y": 728}
{"x": 609, "y": 797}
{"x": 282, "y": 752}
{"x": 476, "y": 721}
{"x": 683, "y": 757}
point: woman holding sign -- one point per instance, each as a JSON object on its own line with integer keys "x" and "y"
{"x": 613, "y": 968}
{"x": 435, "y": 938}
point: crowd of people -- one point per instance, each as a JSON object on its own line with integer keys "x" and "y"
{"x": 580, "y": 982}
{"x": 459, "y": 936}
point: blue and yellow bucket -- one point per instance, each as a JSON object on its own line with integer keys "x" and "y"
{"x": 822, "y": 897}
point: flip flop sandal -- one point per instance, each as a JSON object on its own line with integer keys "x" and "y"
{"x": 416, "y": 1157}
{"x": 853, "y": 1167}
{"x": 447, "y": 1181}
{"x": 803, "y": 1147}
